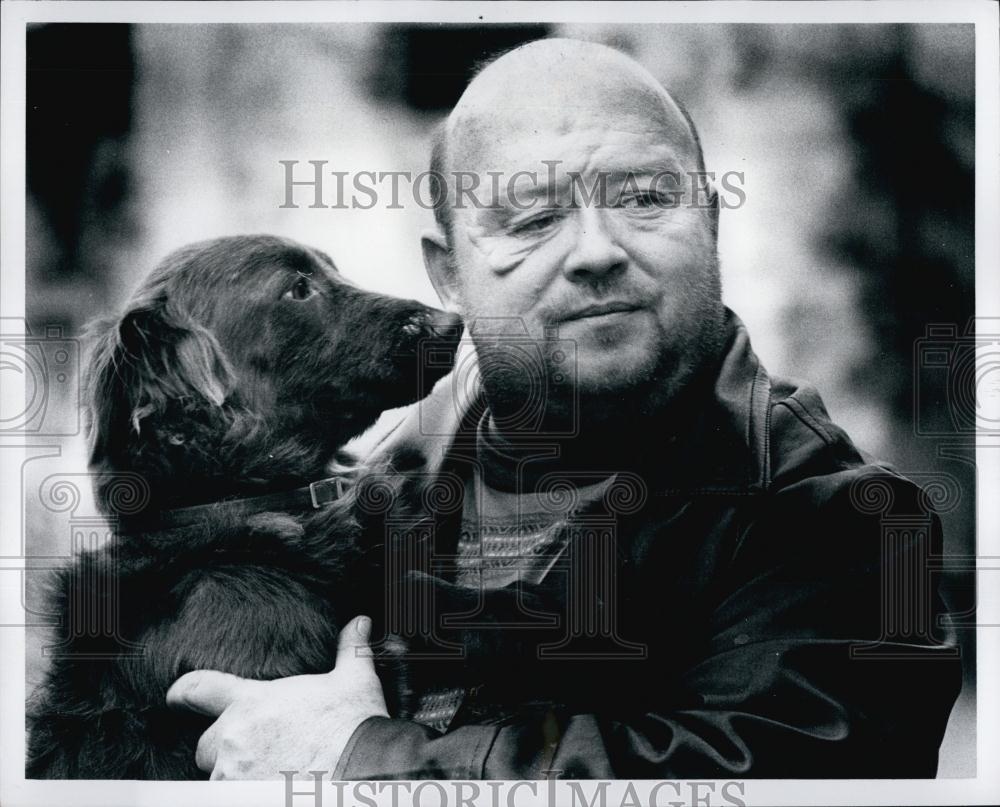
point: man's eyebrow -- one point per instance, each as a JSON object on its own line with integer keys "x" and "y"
{"x": 522, "y": 197}
{"x": 647, "y": 169}
{"x": 573, "y": 179}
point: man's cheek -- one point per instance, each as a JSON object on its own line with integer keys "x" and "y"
{"x": 674, "y": 264}
{"x": 494, "y": 252}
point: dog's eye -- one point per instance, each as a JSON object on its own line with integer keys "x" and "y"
{"x": 302, "y": 290}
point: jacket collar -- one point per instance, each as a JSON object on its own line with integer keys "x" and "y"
{"x": 728, "y": 444}
{"x": 723, "y": 451}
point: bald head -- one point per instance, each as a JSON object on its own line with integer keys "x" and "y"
{"x": 546, "y": 80}
{"x": 543, "y": 88}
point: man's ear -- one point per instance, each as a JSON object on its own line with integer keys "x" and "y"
{"x": 713, "y": 207}
{"x": 441, "y": 269}
{"x": 140, "y": 365}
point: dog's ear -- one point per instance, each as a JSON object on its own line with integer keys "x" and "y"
{"x": 142, "y": 363}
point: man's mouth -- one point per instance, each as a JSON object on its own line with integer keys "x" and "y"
{"x": 601, "y": 310}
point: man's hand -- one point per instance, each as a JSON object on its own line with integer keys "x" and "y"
{"x": 299, "y": 723}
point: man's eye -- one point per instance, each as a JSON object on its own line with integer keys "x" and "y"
{"x": 642, "y": 199}
{"x": 302, "y": 290}
{"x": 537, "y": 224}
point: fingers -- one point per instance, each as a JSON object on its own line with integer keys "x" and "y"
{"x": 352, "y": 644}
{"x": 207, "y": 751}
{"x": 208, "y": 692}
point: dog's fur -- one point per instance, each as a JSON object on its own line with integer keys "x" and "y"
{"x": 241, "y": 367}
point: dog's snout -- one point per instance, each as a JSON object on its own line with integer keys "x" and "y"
{"x": 433, "y": 324}
{"x": 443, "y": 325}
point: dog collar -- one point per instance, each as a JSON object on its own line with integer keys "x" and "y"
{"x": 313, "y": 496}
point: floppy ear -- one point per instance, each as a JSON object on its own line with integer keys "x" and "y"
{"x": 143, "y": 363}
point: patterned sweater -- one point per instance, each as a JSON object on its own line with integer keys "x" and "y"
{"x": 509, "y": 532}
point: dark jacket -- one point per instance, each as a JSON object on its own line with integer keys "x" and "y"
{"x": 772, "y": 614}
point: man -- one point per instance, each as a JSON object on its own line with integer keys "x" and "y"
{"x": 730, "y": 615}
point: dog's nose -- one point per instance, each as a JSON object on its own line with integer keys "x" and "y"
{"x": 443, "y": 325}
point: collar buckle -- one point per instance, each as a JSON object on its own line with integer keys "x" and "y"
{"x": 325, "y": 491}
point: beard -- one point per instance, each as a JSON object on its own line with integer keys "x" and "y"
{"x": 559, "y": 386}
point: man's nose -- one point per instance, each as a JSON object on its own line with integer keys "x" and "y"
{"x": 595, "y": 253}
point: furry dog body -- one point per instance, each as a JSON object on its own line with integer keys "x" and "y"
{"x": 238, "y": 371}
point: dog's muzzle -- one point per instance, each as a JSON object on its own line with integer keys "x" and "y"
{"x": 442, "y": 325}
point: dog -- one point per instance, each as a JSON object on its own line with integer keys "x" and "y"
{"x": 230, "y": 385}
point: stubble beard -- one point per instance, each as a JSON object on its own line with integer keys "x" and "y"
{"x": 548, "y": 401}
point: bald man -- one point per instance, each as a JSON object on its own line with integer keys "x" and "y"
{"x": 703, "y": 581}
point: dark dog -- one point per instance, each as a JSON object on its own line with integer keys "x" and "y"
{"x": 239, "y": 370}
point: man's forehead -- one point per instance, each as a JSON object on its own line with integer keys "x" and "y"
{"x": 574, "y": 139}
{"x": 513, "y": 103}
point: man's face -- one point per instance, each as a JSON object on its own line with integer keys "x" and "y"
{"x": 630, "y": 276}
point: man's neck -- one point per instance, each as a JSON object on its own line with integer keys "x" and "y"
{"x": 605, "y": 434}
{"x": 520, "y": 459}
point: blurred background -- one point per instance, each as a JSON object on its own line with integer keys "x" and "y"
{"x": 856, "y": 145}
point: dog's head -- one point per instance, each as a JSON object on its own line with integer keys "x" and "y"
{"x": 253, "y": 356}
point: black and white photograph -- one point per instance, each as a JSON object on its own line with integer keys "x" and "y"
{"x": 499, "y": 403}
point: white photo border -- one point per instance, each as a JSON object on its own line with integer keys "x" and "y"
{"x": 16, "y": 14}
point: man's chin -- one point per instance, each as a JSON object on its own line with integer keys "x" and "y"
{"x": 619, "y": 372}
